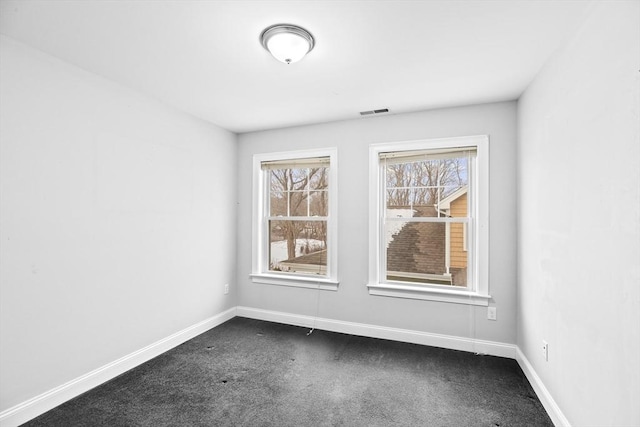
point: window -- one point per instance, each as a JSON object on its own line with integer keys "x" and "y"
{"x": 429, "y": 220}
{"x": 295, "y": 219}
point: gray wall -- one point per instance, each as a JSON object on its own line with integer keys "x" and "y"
{"x": 352, "y": 302}
{"x": 117, "y": 218}
{"x": 579, "y": 221}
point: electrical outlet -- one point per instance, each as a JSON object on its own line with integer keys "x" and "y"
{"x": 545, "y": 350}
{"x": 226, "y": 288}
{"x": 492, "y": 313}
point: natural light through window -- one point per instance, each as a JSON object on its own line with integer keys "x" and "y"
{"x": 428, "y": 218}
{"x": 294, "y": 219}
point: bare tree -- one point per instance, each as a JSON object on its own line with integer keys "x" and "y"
{"x": 294, "y": 192}
{"x": 424, "y": 183}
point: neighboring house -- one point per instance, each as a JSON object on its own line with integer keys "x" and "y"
{"x": 456, "y": 206}
{"x": 429, "y": 251}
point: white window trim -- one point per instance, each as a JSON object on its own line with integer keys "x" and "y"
{"x": 260, "y": 266}
{"x": 378, "y": 285}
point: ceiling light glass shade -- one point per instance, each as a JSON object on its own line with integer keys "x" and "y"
{"x": 287, "y": 43}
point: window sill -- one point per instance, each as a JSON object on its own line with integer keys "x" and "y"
{"x": 295, "y": 281}
{"x": 430, "y": 294}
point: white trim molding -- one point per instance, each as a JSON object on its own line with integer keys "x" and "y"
{"x": 550, "y": 405}
{"x": 38, "y": 405}
{"x": 260, "y": 262}
{"x": 477, "y": 224}
{"x": 417, "y": 292}
{"x": 374, "y": 331}
{"x": 297, "y": 281}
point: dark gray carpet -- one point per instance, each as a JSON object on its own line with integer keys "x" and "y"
{"x": 254, "y": 373}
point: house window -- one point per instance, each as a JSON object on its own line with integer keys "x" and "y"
{"x": 295, "y": 219}
{"x": 429, "y": 220}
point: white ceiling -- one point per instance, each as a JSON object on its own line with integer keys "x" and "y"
{"x": 205, "y": 58}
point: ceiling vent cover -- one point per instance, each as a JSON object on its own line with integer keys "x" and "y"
{"x": 371, "y": 112}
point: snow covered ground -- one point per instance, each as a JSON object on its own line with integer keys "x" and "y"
{"x": 279, "y": 249}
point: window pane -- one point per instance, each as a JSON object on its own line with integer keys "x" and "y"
{"x": 278, "y": 180}
{"x": 318, "y": 178}
{"x": 420, "y": 252}
{"x": 288, "y": 179}
{"x": 398, "y": 175}
{"x": 458, "y": 207}
{"x": 399, "y": 198}
{"x": 297, "y": 179}
{"x": 298, "y": 201}
{"x": 277, "y": 203}
{"x": 298, "y": 246}
{"x": 319, "y": 204}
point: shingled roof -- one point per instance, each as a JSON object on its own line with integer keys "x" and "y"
{"x": 417, "y": 252}
{"x": 315, "y": 262}
{"x": 418, "y": 247}
{"x": 316, "y": 258}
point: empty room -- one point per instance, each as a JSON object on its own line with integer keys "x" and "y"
{"x": 320, "y": 213}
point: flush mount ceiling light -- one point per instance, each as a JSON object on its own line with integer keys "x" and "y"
{"x": 287, "y": 43}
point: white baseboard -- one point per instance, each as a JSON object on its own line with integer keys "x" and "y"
{"x": 383, "y": 332}
{"x": 38, "y": 405}
{"x": 550, "y": 405}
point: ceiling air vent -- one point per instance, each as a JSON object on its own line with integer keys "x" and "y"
{"x": 371, "y": 112}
